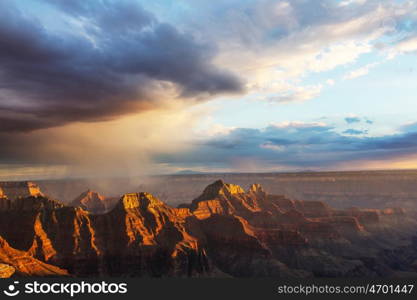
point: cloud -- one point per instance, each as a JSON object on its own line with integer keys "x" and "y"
{"x": 298, "y": 145}
{"x": 350, "y": 2}
{"x": 297, "y": 94}
{"x": 409, "y": 127}
{"x": 71, "y": 87}
{"x": 277, "y": 43}
{"x": 351, "y": 120}
{"x": 352, "y": 131}
{"x": 112, "y": 59}
{"x": 360, "y": 72}
{"x": 330, "y": 81}
{"x": 408, "y": 45}
{"x": 269, "y": 145}
{"x": 122, "y": 147}
{"x": 405, "y": 46}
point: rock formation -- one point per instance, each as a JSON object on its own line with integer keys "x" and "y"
{"x": 12, "y": 190}
{"x": 226, "y": 231}
{"x": 22, "y": 263}
{"x": 90, "y": 201}
{"x": 6, "y": 271}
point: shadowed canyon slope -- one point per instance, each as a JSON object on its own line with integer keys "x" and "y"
{"x": 224, "y": 232}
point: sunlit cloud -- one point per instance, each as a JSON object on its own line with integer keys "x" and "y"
{"x": 122, "y": 147}
{"x": 335, "y": 35}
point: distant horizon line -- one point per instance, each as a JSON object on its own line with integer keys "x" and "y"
{"x": 197, "y": 173}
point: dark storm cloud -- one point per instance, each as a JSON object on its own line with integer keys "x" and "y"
{"x": 298, "y": 145}
{"x": 109, "y": 66}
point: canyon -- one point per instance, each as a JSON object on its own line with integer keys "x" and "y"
{"x": 226, "y": 231}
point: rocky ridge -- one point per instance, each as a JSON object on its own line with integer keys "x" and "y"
{"x": 19, "y": 189}
{"x": 91, "y": 201}
{"x": 226, "y": 231}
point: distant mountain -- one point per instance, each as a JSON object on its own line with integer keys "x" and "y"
{"x": 90, "y": 201}
{"x": 16, "y": 189}
{"x": 225, "y": 232}
{"x": 189, "y": 172}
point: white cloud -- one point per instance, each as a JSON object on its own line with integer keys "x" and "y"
{"x": 408, "y": 45}
{"x": 360, "y": 72}
{"x": 273, "y": 44}
{"x": 405, "y": 46}
{"x": 330, "y": 82}
{"x": 215, "y": 130}
{"x": 298, "y": 124}
{"x": 350, "y": 2}
{"x": 297, "y": 94}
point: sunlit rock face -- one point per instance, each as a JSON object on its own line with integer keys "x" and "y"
{"x": 142, "y": 236}
{"x": 225, "y": 232}
{"x": 6, "y": 271}
{"x": 21, "y": 263}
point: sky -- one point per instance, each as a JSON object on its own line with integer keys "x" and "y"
{"x": 134, "y": 87}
